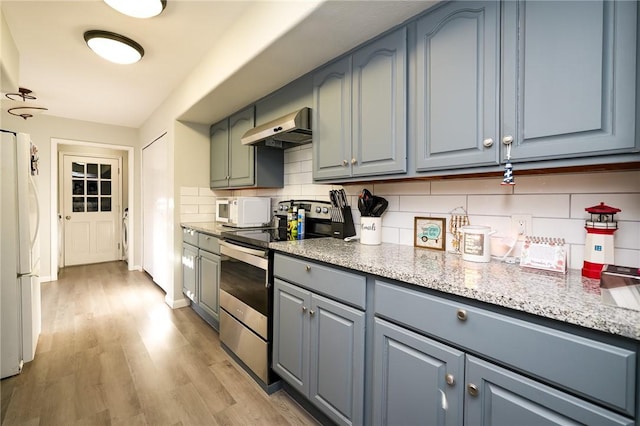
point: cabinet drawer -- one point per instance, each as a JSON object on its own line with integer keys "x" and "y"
{"x": 594, "y": 369}
{"x": 208, "y": 243}
{"x": 340, "y": 285}
{"x": 190, "y": 236}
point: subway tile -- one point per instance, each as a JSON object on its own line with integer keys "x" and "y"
{"x": 600, "y": 182}
{"x": 290, "y": 191}
{"x": 266, "y": 192}
{"x": 314, "y": 190}
{"x": 306, "y": 166}
{"x": 575, "y": 257}
{"x": 207, "y": 208}
{"x": 470, "y": 186}
{"x": 184, "y": 199}
{"x": 628, "y": 236}
{"x": 207, "y": 200}
{"x": 427, "y": 204}
{"x": 188, "y": 190}
{"x": 399, "y": 219}
{"x": 188, "y": 208}
{"x": 290, "y": 168}
{"x": 297, "y": 154}
{"x": 571, "y": 230}
{"x": 248, "y": 192}
{"x": 222, "y": 193}
{"x": 300, "y": 179}
{"x": 406, "y": 237}
{"x": 500, "y": 224}
{"x": 390, "y": 235}
{"x": 421, "y": 187}
{"x": 536, "y": 205}
{"x": 628, "y": 203}
{"x": 205, "y": 192}
{"x": 197, "y": 217}
{"x": 625, "y": 257}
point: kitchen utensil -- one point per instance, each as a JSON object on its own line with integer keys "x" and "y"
{"x": 379, "y": 206}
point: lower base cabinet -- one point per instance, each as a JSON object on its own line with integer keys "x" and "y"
{"x": 318, "y": 348}
{"x": 418, "y": 380}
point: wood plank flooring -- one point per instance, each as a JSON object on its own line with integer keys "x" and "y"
{"x": 112, "y": 352}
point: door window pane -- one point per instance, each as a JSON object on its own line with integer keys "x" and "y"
{"x": 105, "y": 171}
{"x": 78, "y": 187}
{"x": 92, "y": 187}
{"x": 92, "y": 170}
{"x": 92, "y": 204}
{"x": 78, "y": 204}
{"x": 105, "y": 204}
{"x": 105, "y": 187}
{"x": 77, "y": 169}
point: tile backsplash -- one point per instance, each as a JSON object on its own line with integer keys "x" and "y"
{"x": 556, "y": 203}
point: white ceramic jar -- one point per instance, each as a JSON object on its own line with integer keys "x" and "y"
{"x": 476, "y": 243}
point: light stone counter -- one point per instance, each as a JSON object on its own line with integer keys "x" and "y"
{"x": 211, "y": 228}
{"x": 569, "y": 298}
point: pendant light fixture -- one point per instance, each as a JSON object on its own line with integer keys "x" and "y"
{"x": 19, "y": 106}
{"x": 138, "y": 8}
{"x": 114, "y": 47}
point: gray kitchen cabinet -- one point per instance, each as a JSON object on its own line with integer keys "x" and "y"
{"x": 540, "y": 379}
{"x": 359, "y": 112}
{"x": 456, "y": 87}
{"x": 318, "y": 342}
{"x": 569, "y": 78}
{"x": 416, "y": 380}
{"x": 234, "y": 165}
{"x": 201, "y": 274}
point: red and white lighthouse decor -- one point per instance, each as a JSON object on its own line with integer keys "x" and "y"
{"x": 598, "y": 246}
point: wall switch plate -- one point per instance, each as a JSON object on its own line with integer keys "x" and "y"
{"x": 521, "y": 224}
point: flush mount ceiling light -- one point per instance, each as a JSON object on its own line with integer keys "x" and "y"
{"x": 20, "y": 107}
{"x": 138, "y": 8}
{"x": 114, "y": 47}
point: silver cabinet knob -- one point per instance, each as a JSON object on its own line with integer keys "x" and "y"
{"x": 307, "y": 268}
{"x": 344, "y": 163}
{"x": 68, "y": 217}
{"x": 461, "y": 314}
{"x": 312, "y": 312}
{"x": 354, "y": 161}
{"x": 487, "y": 142}
{"x": 304, "y": 309}
{"x": 507, "y": 140}
{"x": 472, "y": 389}
{"x": 450, "y": 379}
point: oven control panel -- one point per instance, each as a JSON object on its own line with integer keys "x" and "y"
{"x": 312, "y": 208}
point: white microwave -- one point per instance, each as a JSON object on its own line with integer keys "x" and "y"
{"x": 243, "y": 212}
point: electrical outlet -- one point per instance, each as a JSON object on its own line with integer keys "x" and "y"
{"x": 521, "y": 224}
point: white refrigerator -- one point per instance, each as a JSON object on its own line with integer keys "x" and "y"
{"x": 19, "y": 252}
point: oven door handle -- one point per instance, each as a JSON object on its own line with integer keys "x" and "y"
{"x": 253, "y": 252}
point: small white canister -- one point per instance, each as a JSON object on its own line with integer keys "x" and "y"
{"x": 370, "y": 230}
{"x": 476, "y": 243}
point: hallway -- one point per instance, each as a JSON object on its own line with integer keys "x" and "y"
{"x": 112, "y": 352}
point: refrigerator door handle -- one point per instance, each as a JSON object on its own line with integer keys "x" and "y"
{"x": 35, "y": 194}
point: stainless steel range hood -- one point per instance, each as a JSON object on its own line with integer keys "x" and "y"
{"x": 290, "y": 130}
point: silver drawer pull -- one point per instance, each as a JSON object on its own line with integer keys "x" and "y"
{"x": 307, "y": 268}
{"x": 472, "y": 389}
{"x": 461, "y": 314}
{"x": 312, "y": 312}
{"x": 450, "y": 379}
{"x": 304, "y": 309}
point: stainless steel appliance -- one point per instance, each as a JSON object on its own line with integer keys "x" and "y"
{"x": 246, "y": 288}
{"x": 290, "y": 130}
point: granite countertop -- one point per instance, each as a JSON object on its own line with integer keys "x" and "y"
{"x": 212, "y": 228}
{"x": 569, "y": 298}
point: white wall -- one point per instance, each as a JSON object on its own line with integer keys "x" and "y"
{"x": 556, "y": 203}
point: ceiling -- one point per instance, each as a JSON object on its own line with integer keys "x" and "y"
{"x": 73, "y": 82}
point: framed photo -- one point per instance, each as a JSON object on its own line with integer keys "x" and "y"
{"x": 430, "y": 232}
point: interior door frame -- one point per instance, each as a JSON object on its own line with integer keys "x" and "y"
{"x": 53, "y": 179}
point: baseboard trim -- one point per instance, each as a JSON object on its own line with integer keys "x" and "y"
{"x": 178, "y": 303}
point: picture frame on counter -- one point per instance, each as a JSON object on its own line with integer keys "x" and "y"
{"x": 430, "y": 233}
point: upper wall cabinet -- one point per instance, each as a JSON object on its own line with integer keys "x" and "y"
{"x": 456, "y": 92}
{"x": 359, "y": 112}
{"x": 234, "y": 165}
{"x": 569, "y": 78}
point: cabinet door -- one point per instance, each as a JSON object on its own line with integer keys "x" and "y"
{"x": 457, "y": 54}
{"x": 209, "y": 282}
{"x": 189, "y": 271}
{"x": 241, "y": 157}
{"x": 410, "y": 379}
{"x": 337, "y": 360}
{"x": 496, "y": 396}
{"x": 291, "y": 326}
{"x": 331, "y": 117}
{"x": 569, "y": 86}
{"x": 379, "y": 103}
{"x": 219, "y": 165}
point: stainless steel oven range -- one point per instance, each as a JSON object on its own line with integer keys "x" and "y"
{"x": 246, "y": 288}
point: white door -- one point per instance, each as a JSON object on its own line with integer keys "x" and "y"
{"x": 155, "y": 211}
{"x": 91, "y": 191}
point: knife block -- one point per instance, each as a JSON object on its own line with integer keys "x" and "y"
{"x": 342, "y": 222}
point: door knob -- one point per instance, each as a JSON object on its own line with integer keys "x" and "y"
{"x": 507, "y": 140}
{"x": 450, "y": 379}
{"x": 68, "y": 217}
{"x": 487, "y": 142}
{"x": 472, "y": 389}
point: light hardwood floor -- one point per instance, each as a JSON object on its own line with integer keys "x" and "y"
{"x": 112, "y": 352}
